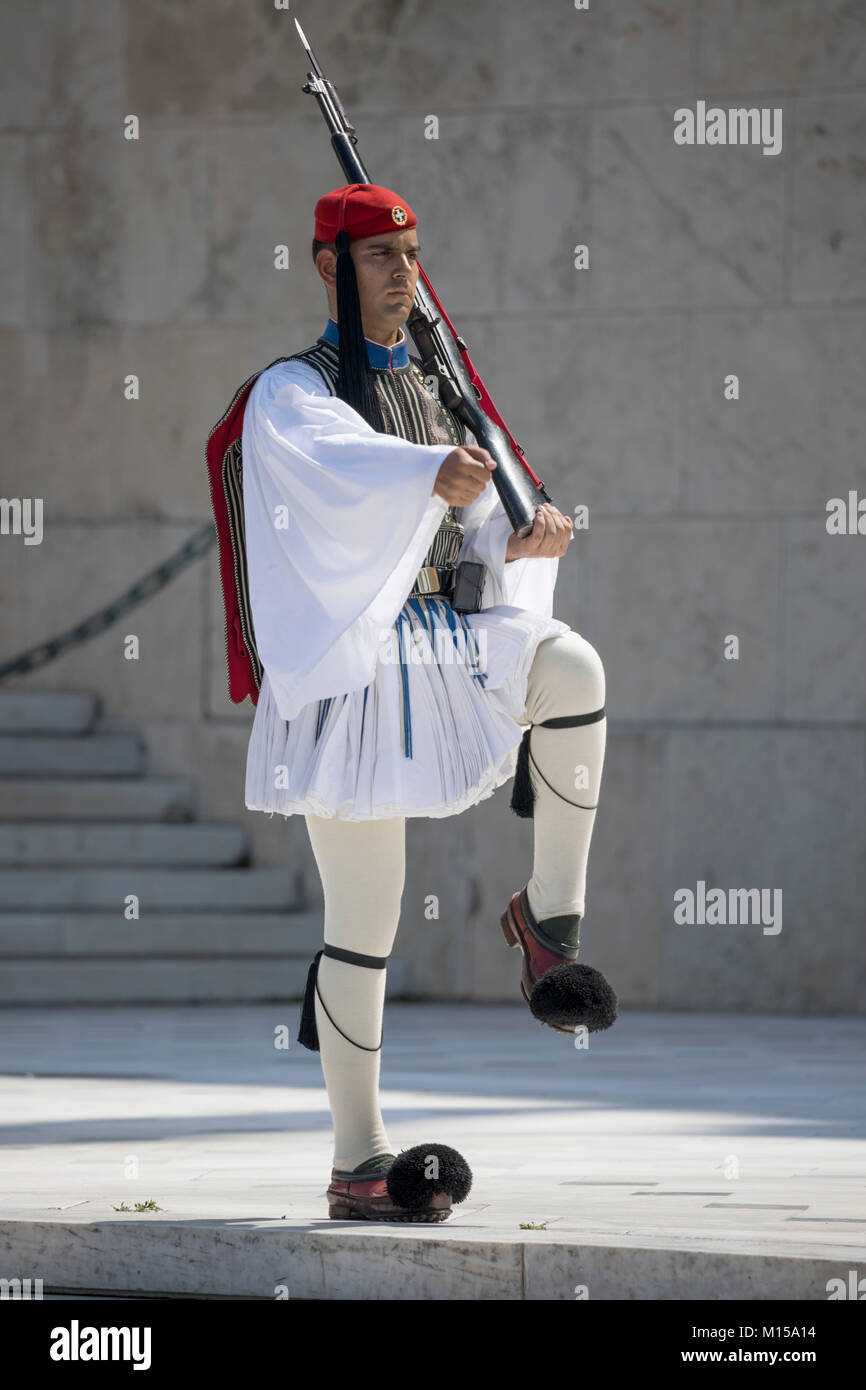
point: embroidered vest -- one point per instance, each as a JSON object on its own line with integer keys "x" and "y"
{"x": 409, "y": 410}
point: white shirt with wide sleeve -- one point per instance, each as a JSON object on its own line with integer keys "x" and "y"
{"x": 338, "y": 520}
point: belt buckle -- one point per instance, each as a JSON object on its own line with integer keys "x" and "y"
{"x": 428, "y": 580}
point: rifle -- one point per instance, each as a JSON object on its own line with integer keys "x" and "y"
{"x": 443, "y": 355}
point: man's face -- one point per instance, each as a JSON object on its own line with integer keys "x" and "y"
{"x": 386, "y": 268}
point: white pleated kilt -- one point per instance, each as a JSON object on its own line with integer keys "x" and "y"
{"x": 436, "y": 731}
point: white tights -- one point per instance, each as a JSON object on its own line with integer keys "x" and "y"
{"x": 362, "y": 865}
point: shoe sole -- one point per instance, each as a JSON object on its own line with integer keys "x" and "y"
{"x": 512, "y": 937}
{"x": 341, "y": 1210}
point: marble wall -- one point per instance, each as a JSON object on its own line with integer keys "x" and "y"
{"x": 707, "y": 515}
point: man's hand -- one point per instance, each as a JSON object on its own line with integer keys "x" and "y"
{"x": 549, "y": 537}
{"x": 464, "y": 475}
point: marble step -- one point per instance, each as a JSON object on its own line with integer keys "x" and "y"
{"x": 101, "y": 755}
{"x": 47, "y": 711}
{"x": 67, "y": 934}
{"x": 210, "y": 1242}
{"x": 96, "y": 798}
{"x": 157, "y": 889}
{"x": 111, "y": 843}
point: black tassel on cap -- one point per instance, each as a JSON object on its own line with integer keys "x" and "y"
{"x": 355, "y": 379}
{"x": 308, "y": 1033}
{"x": 523, "y": 792}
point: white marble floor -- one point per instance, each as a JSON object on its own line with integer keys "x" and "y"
{"x": 705, "y": 1146}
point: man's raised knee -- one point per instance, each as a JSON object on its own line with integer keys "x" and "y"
{"x": 567, "y": 678}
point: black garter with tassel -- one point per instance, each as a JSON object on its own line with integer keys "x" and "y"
{"x": 308, "y": 1033}
{"x": 523, "y": 792}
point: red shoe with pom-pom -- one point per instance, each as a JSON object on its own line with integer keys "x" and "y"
{"x": 559, "y": 992}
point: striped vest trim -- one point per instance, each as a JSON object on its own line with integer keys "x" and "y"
{"x": 225, "y": 479}
{"x": 409, "y": 409}
{"x": 233, "y": 486}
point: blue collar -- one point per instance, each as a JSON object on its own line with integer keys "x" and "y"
{"x": 377, "y": 354}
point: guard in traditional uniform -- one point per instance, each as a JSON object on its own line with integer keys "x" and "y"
{"x": 381, "y": 691}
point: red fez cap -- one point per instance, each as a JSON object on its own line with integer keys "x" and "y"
{"x": 362, "y": 210}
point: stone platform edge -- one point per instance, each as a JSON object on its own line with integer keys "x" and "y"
{"x": 203, "y": 1258}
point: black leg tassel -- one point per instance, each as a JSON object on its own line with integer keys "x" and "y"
{"x": 523, "y": 792}
{"x": 308, "y": 1033}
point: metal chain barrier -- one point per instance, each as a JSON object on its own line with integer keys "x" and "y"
{"x": 151, "y": 583}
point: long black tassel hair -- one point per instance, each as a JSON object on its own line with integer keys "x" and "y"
{"x": 355, "y": 379}
{"x": 523, "y": 792}
{"x": 308, "y": 1033}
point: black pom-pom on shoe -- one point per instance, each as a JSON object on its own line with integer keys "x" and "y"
{"x": 573, "y": 995}
{"x": 410, "y": 1186}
